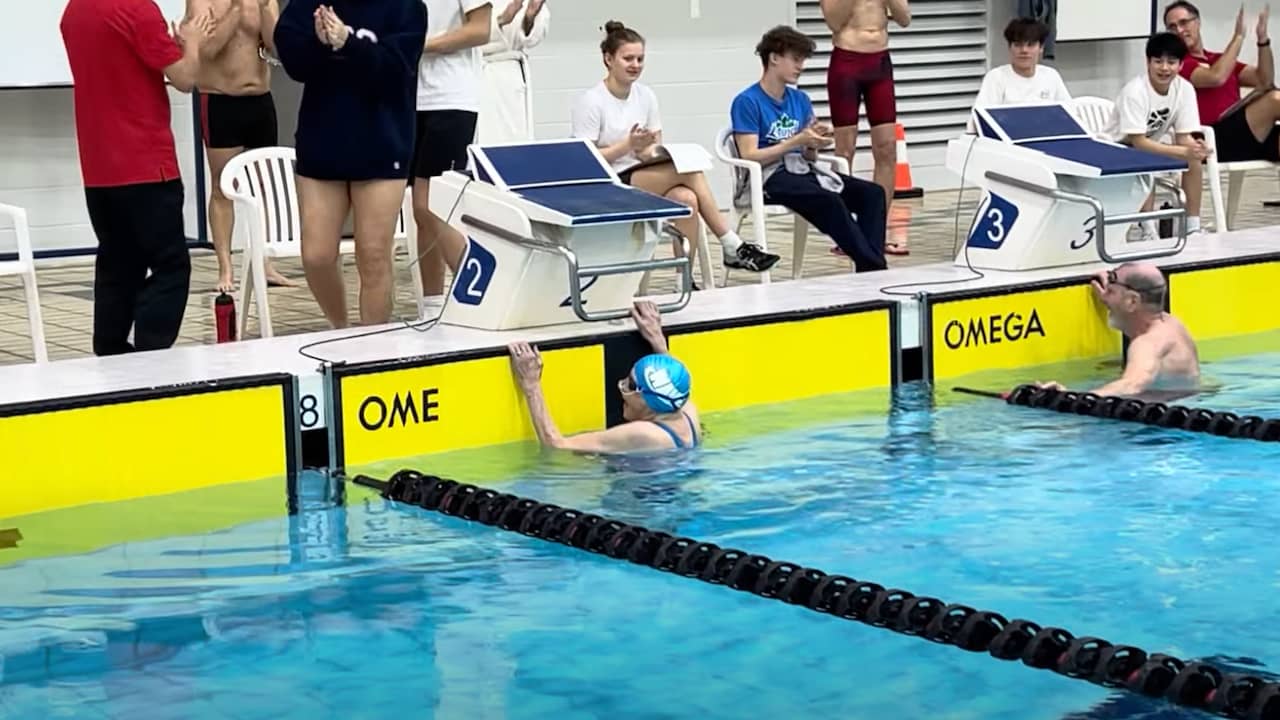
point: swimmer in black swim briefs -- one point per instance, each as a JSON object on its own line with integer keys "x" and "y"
{"x": 237, "y": 112}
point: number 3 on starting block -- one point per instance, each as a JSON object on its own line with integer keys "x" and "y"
{"x": 994, "y": 223}
{"x": 474, "y": 275}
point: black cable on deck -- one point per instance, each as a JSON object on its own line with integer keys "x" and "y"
{"x": 1190, "y": 684}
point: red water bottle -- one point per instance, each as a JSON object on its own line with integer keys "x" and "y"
{"x": 224, "y": 317}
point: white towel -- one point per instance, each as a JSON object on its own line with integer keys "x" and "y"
{"x": 797, "y": 164}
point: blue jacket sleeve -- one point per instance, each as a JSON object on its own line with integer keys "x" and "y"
{"x": 300, "y": 51}
{"x": 392, "y": 58}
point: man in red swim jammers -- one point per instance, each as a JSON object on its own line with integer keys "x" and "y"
{"x": 862, "y": 72}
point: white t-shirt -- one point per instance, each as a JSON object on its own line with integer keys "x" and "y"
{"x": 605, "y": 119}
{"x": 1004, "y": 86}
{"x": 450, "y": 81}
{"x": 1140, "y": 110}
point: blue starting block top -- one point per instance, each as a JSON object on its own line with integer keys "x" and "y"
{"x": 590, "y": 203}
{"x": 1052, "y": 130}
{"x": 571, "y": 178}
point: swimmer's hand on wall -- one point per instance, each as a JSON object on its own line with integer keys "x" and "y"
{"x": 526, "y": 363}
{"x": 649, "y": 322}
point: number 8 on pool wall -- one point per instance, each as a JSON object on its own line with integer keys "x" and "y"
{"x": 474, "y": 275}
{"x": 995, "y": 222}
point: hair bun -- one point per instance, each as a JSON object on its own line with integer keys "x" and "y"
{"x": 613, "y": 26}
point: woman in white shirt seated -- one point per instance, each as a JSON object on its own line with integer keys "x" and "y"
{"x": 620, "y": 115}
{"x": 1024, "y": 79}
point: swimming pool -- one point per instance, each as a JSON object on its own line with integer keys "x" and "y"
{"x": 357, "y": 607}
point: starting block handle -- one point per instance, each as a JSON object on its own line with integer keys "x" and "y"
{"x": 577, "y": 272}
{"x": 1178, "y": 211}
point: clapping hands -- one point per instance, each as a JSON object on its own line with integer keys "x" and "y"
{"x": 195, "y": 30}
{"x": 641, "y": 138}
{"x": 329, "y": 28}
{"x": 816, "y": 135}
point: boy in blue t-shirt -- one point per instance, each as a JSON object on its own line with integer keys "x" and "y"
{"x": 774, "y": 125}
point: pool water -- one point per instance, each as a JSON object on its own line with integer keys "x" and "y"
{"x": 355, "y": 607}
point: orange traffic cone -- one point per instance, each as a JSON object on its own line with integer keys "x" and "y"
{"x": 902, "y": 185}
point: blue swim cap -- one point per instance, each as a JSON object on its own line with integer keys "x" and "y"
{"x": 662, "y": 381}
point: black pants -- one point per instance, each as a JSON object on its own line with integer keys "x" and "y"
{"x": 863, "y": 240}
{"x": 140, "y": 230}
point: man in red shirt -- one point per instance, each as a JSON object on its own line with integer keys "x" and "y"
{"x": 1246, "y": 133}
{"x": 121, "y": 52}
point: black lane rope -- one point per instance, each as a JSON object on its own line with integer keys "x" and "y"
{"x": 1225, "y": 424}
{"x": 1190, "y": 684}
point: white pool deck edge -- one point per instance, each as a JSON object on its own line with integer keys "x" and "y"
{"x": 30, "y": 382}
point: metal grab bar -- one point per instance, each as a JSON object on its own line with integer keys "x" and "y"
{"x": 1179, "y": 210}
{"x": 577, "y": 273}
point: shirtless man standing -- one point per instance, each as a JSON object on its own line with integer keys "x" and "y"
{"x": 861, "y": 70}
{"x": 237, "y": 110}
{"x": 1162, "y": 360}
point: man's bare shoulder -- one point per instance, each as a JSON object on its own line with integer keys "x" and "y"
{"x": 1167, "y": 335}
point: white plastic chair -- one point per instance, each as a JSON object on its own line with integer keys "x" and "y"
{"x": 262, "y": 185}
{"x": 1235, "y": 177}
{"x": 1096, "y": 115}
{"x": 748, "y": 198}
{"x": 1224, "y": 215}
{"x": 25, "y": 267}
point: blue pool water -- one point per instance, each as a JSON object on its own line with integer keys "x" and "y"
{"x": 358, "y": 608}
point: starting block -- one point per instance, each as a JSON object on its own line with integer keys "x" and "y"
{"x": 1050, "y": 191}
{"x": 553, "y": 236}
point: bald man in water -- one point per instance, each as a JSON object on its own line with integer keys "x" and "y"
{"x": 1162, "y": 357}
{"x": 237, "y": 109}
{"x": 861, "y": 72}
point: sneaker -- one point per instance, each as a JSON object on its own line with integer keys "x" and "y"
{"x": 750, "y": 257}
{"x": 1139, "y": 233}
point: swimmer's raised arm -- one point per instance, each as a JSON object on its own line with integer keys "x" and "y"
{"x": 900, "y": 12}
{"x": 526, "y": 363}
{"x": 649, "y": 322}
{"x": 270, "y": 13}
{"x": 194, "y": 32}
{"x": 224, "y": 25}
{"x": 836, "y": 13}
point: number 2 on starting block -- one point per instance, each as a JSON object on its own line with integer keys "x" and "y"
{"x": 994, "y": 223}
{"x": 475, "y": 274}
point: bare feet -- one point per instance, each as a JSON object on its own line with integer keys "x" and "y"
{"x": 275, "y": 279}
{"x": 225, "y": 283}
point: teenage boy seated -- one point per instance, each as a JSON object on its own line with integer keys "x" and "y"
{"x": 774, "y": 125}
{"x": 1156, "y": 104}
{"x": 1024, "y": 79}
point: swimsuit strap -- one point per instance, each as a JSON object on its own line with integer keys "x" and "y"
{"x": 692, "y": 430}
{"x": 674, "y": 437}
